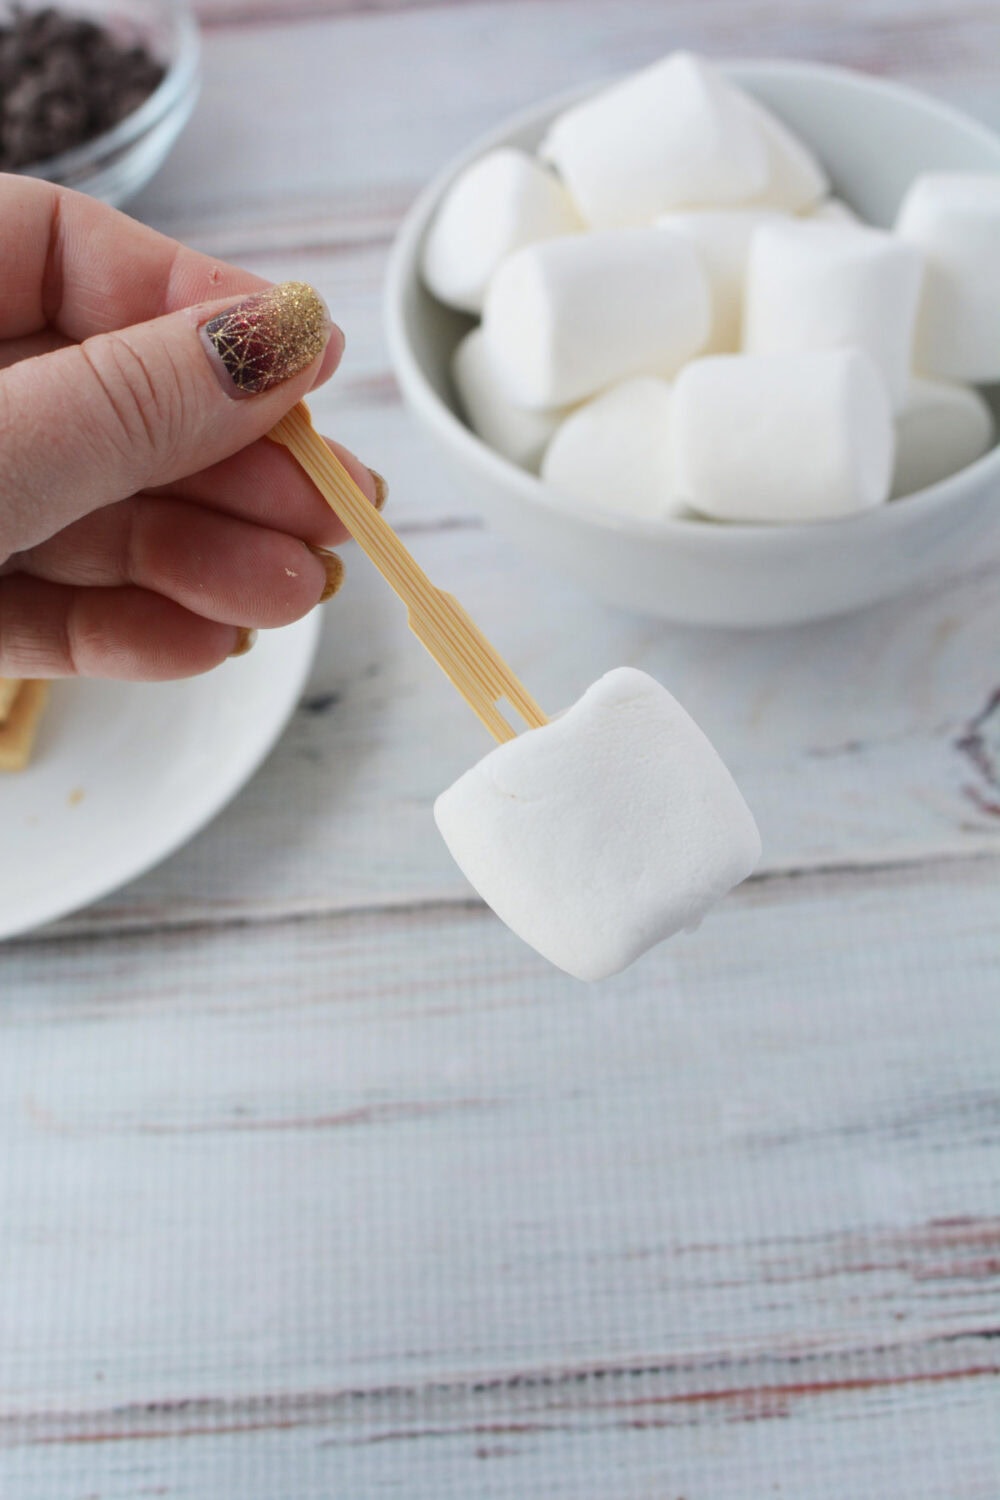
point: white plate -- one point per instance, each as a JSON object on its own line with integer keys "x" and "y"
{"x": 124, "y": 773}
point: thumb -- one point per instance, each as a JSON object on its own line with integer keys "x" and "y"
{"x": 96, "y": 422}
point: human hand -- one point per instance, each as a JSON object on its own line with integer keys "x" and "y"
{"x": 146, "y": 524}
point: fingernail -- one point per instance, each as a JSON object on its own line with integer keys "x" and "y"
{"x": 245, "y": 638}
{"x": 381, "y": 488}
{"x": 267, "y": 338}
{"x": 332, "y": 567}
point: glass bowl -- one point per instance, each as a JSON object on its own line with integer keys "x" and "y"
{"x": 115, "y": 165}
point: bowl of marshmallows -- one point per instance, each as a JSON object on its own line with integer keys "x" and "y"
{"x": 721, "y": 343}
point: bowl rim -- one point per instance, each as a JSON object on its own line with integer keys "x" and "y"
{"x": 180, "y": 76}
{"x": 403, "y": 267}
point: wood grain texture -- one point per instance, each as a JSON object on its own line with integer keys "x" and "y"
{"x": 881, "y": 36}
{"x": 391, "y": 1181}
{"x": 313, "y": 1180}
{"x": 326, "y": 126}
{"x": 850, "y": 1442}
{"x": 230, "y": 13}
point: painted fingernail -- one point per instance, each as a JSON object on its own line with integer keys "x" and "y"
{"x": 381, "y": 488}
{"x": 267, "y": 338}
{"x": 245, "y": 638}
{"x": 333, "y": 568}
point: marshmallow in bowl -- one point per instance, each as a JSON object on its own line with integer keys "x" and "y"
{"x": 504, "y": 200}
{"x": 603, "y": 832}
{"x": 676, "y": 134}
{"x": 565, "y": 318}
{"x": 792, "y": 437}
{"x": 722, "y": 238}
{"x": 953, "y": 218}
{"x": 613, "y": 452}
{"x": 756, "y": 256}
{"x": 941, "y": 428}
{"x": 517, "y": 433}
{"x": 816, "y": 285}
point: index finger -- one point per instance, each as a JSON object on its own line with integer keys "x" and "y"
{"x": 71, "y": 263}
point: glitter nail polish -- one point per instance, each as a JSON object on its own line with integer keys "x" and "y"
{"x": 268, "y": 337}
{"x": 332, "y": 567}
{"x": 381, "y": 488}
{"x": 245, "y": 638}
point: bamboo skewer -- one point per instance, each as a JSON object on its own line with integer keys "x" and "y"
{"x": 436, "y": 618}
{"x": 20, "y": 724}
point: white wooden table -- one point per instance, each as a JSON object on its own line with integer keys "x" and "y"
{"x": 314, "y": 1182}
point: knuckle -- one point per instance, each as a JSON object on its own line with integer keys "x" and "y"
{"x": 26, "y": 444}
{"x": 143, "y": 406}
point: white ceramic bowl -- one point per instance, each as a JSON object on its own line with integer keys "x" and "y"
{"x": 874, "y": 137}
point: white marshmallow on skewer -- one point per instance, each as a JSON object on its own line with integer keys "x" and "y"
{"x": 517, "y": 433}
{"x": 954, "y": 219}
{"x": 722, "y": 238}
{"x": 794, "y": 437}
{"x": 826, "y": 286}
{"x": 566, "y": 318}
{"x": 676, "y": 134}
{"x": 834, "y": 211}
{"x": 605, "y": 831}
{"x": 796, "y": 177}
{"x": 941, "y": 428}
{"x": 504, "y": 200}
{"x": 614, "y": 451}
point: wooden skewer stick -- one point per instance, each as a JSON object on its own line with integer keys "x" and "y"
{"x": 436, "y": 618}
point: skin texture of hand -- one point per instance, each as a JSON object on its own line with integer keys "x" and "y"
{"x": 145, "y": 520}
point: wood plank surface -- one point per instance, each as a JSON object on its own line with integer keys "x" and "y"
{"x": 847, "y": 1442}
{"x": 387, "y": 1177}
{"x": 313, "y": 1180}
{"x": 327, "y": 125}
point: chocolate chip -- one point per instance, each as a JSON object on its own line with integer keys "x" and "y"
{"x": 64, "y": 80}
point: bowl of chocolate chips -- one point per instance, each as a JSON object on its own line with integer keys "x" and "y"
{"x": 93, "y": 93}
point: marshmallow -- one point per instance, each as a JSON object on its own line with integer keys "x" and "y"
{"x": 941, "y": 428}
{"x": 796, "y": 179}
{"x": 604, "y": 832}
{"x": 614, "y": 451}
{"x": 722, "y": 238}
{"x": 825, "y": 286}
{"x": 834, "y": 211}
{"x": 676, "y": 134}
{"x": 793, "y": 437}
{"x": 518, "y": 434}
{"x": 499, "y": 203}
{"x": 568, "y": 317}
{"x": 954, "y": 219}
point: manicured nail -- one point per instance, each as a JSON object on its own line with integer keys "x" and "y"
{"x": 381, "y": 488}
{"x": 332, "y": 567}
{"x": 266, "y": 338}
{"x": 245, "y": 638}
